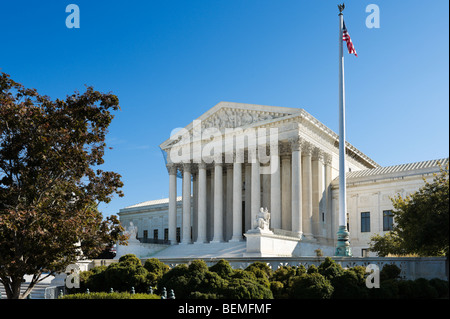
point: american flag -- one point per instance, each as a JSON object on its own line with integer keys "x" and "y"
{"x": 346, "y": 37}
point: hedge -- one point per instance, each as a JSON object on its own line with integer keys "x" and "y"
{"x": 258, "y": 281}
{"x": 112, "y": 295}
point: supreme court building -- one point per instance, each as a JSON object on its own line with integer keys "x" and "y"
{"x": 237, "y": 159}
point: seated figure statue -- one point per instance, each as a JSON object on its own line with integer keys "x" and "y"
{"x": 131, "y": 231}
{"x": 263, "y": 219}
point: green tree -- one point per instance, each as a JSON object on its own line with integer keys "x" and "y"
{"x": 128, "y": 272}
{"x": 311, "y": 286}
{"x": 222, "y": 268}
{"x": 51, "y": 182}
{"x": 192, "y": 281}
{"x": 156, "y": 269}
{"x": 421, "y": 221}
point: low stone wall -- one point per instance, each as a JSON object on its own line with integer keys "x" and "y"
{"x": 411, "y": 267}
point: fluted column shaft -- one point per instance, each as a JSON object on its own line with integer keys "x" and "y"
{"x": 237, "y": 202}
{"x": 218, "y": 203}
{"x": 275, "y": 193}
{"x": 296, "y": 187}
{"x": 255, "y": 192}
{"x": 186, "y": 220}
{"x": 307, "y": 205}
{"x": 172, "y": 203}
{"x": 202, "y": 197}
{"x": 317, "y": 189}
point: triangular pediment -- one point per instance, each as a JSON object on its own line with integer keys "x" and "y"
{"x": 232, "y": 115}
{"x": 226, "y": 115}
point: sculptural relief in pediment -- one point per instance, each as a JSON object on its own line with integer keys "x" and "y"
{"x": 232, "y": 118}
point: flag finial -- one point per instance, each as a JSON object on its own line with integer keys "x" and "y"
{"x": 341, "y": 7}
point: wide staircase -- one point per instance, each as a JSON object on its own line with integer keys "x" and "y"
{"x": 40, "y": 290}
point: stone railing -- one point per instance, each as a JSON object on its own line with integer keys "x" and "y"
{"x": 411, "y": 267}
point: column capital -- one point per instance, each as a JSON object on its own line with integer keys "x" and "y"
{"x": 284, "y": 148}
{"x": 307, "y": 149}
{"x": 187, "y": 167}
{"x": 317, "y": 154}
{"x": 327, "y": 158}
{"x": 252, "y": 155}
{"x": 172, "y": 168}
{"x": 218, "y": 159}
{"x": 296, "y": 143}
{"x": 239, "y": 156}
{"x": 202, "y": 165}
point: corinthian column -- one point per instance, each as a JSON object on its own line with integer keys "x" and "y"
{"x": 275, "y": 191}
{"x": 186, "y": 220}
{"x": 172, "y": 203}
{"x": 317, "y": 188}
{"x": 218, "y": 203}
{"x": 296, "y": 186}
{"x": 201, "y": 237}
{"x": 256, "y": 190}
{"x": 237, "y": 202}
{"x": 307, "y": 205}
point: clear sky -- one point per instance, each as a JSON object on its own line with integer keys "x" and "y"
{"x": 169, "y": 61}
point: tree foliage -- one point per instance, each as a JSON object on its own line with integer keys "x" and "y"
{"x": 421, "y": 221}
{"x": 51, "y": 182}
{"x": 258, "y": 281}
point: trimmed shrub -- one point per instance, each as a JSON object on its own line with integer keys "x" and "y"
{"x": 424, "y": 290}
{"x": 389, "y": 289}
{"x": 312, "y": 270}
{"x": 441, "y": 287}
{"x": 311, "y": 286}
{"x": 390, "y": 271}
{"x": 301, "y": 269}
{"x": 156, "y": 269}
{"x": 349, "y": 285}
{"x": 196, "y": 277}
{"x": 260, "y": 269}
{"x": 130, "y": 259}
{"x": 200, "y": 295}
{"x": 282, "y": 278}
{"x": 239, "y": 288}
{"x": 278, "y": 290}
{"x": 127, "y": 273}
{"x": 222, "y": 268}
{"x": 330, "y": 269}
{"x": 93, "y": 279}
{"x": 113, "y": 295}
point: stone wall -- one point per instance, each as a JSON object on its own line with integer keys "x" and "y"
{"x": 411, "y": 267}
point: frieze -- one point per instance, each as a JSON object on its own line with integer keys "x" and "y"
{"x": 232, "y": 118}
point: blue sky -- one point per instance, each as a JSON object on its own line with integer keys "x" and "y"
{"x": 170, "y": 61}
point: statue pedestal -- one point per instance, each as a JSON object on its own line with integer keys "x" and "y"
{"x": 264, "y": 243}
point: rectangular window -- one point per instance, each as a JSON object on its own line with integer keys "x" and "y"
{"x": 155, "y": 234}
{"x": 388, "y": 220}
{"x": 166, "y": 234}
{"x": 145, "y": 234}
{"x": 364, "y": 252}
{"x": 365, "y": 222}
{"x": 178, "y": 234}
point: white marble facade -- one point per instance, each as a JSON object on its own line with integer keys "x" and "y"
{"x": 237, "y": 158}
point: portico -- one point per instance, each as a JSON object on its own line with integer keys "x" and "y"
{"x": 237, "y": 158}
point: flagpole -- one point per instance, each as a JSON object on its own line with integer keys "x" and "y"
{"x": 343, "y": 245}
